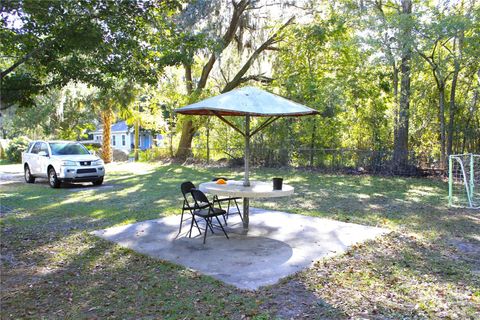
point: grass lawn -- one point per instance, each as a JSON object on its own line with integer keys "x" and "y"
{"x": 428, "y": 267}
{"x": 4, "y": 162}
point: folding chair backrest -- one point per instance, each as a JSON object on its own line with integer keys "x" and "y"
{"x": 199, "y": 197}
{"x": 186, "y": 187}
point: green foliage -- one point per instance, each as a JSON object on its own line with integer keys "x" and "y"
{"x": 59, "y": 113}
{"x": 15, "y": 148}
{"x": 344, "y": 62}
{"x": 321, "y": 66}
{"x": 55, "y": 42}
{"x": 154, "y": 154}
{"x": 92, "y": 147}
{"x": 117, "y": 97}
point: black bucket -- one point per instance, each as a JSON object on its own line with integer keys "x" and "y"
{"x": 277, "y": 183}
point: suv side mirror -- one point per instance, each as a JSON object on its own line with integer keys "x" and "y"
{"x": 43, "y": 154}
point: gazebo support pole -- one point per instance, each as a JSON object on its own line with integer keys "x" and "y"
{"x": 246, "y": 209}
{"x": 246, "y": 181}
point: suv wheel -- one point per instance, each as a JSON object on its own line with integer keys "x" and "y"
{"x": 28, "y": 175}
{"x": 52, "y": 178}
{"x": 98, "y": 182}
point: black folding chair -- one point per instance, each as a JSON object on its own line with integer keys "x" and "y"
{"x": 207, "y": 213}
{"x": 186, "y": 187}
{"x": 229, "y": 199}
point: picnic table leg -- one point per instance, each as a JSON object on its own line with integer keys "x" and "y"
{"x": 246, "y": 211}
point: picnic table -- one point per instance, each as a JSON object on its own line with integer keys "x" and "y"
{"x": 256, "y": 189}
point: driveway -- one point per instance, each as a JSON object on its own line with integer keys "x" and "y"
{"x": 11, "y": 173}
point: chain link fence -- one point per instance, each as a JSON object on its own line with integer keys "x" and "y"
{"x": 335, "y": 160}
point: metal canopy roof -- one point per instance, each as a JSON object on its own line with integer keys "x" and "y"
{"x": 247, "y": 101}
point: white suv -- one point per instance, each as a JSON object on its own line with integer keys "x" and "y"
{"x": 61, "y": 161}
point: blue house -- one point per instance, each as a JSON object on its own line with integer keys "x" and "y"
{"x": 123, "y": 137}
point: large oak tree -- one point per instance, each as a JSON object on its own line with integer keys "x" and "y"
{"x": 226, "y": 33}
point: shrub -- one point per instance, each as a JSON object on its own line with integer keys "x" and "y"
{"x": 3, "y": 145}
{"x": 15, "y": 148}
{"x": 92, "y": 146}
{"x": 154, "y": 154}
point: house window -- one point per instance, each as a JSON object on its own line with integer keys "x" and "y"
{"x": 113, "y": 141}
{"x": 123, "y": 140}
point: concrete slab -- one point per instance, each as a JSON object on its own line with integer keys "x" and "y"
{"x": 278, "y": 244}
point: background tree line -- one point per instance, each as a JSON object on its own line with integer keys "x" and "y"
{"x": 398, "y": 77}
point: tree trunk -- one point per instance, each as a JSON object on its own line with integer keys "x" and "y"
{"x": 184, "y": 146}
{"x": 312, "y": 141}
{"x": 188, "y": 78}
{"x": 452, "y": 112}
{"x": 396, "y": 101}
{"x": 400, "y": 153}
{"x": 208, "y": 140}
{"x": 107, "y": 119}
{"x": 456, "y": 71}
{"x": 441, "y": 116}
{"x": 170, "y": 136}
{"x": 137, "y": 138}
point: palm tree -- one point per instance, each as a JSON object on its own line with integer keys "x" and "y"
{"x": 133, "y": 117}
{"x": 108, "y": 102}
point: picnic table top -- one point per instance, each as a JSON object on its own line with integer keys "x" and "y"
{"x": 257, "y": 189}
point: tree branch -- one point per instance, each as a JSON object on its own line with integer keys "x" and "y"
{"x": 223, "y": 74}
{"x": 238, "y": 77}
{"x": 238, "y": 10}
{"x": 433, "y": 65}
{"x": 249, "y": 46}
{"x": 257, "y": 77}
{"x": 22, "y": 60}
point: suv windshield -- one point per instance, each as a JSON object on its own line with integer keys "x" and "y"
{"x": 59, "y": 149}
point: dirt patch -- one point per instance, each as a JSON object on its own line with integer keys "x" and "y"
{"x": 292, "y": 300}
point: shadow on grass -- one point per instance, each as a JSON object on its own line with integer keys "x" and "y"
{"x": 81, "y": 276}
{"x": 106, "y": 281}
{"x": 400, "y": 276}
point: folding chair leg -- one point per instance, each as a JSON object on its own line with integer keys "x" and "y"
{"x": 191, "y": 227}
{"x": 228, "y": 209}
{"x": 215, "y": 199}
{"x": 225, "y": 218}
{"x": 224, "y": 232}
{"x": 196, "y": 224}
{"x": 181, "y": 221}
{"x": 238, "y": 209}
{"x": 206, "y": 226}
{"x": 210, "y": 225}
